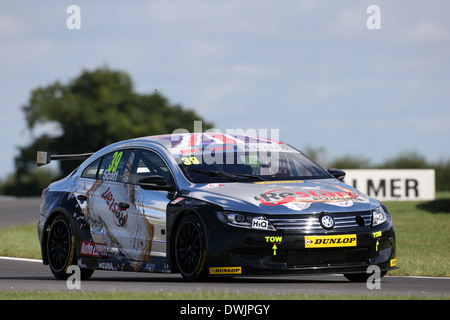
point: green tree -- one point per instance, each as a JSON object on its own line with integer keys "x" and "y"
{"x": 350, "y": 162}
{"x": 93, "y": 110}
{"x": 442, "y": 175}
{"x": 407, "y": 160}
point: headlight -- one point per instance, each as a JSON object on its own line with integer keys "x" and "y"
{"x": 378, "y": 216}
{"x": 245, "y": 220}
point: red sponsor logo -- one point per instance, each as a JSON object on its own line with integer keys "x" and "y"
{"x": 282, "y": 196}
{"x": 120, "y": 215}
{"x": 92, "y": 249}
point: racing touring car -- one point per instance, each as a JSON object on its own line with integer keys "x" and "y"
{"x": 207, "y": 205}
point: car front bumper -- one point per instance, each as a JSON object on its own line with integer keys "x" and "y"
{"x": 234, "y": 250}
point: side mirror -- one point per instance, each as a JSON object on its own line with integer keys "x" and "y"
{"x": 155, "y": 183}
{"x": 338, "y": 174}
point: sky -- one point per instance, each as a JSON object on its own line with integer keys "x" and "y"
{"x": 329, "y": 74}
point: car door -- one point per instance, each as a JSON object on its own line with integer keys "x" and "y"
{"x": 149, "y": 205}
{"x": 109, "y": 207}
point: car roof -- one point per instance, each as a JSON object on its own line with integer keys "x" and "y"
{"x": 178, "y": 141}
{"x": 178, "y": 144}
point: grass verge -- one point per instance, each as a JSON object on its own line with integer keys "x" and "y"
{"x": 422, "y": 230}
{"x": 203, "y": 295}
{"x": 20, "y": 241}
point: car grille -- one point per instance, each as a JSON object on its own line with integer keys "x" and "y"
{"x": 327, "y": 257}
{"x": 309, "y": 223}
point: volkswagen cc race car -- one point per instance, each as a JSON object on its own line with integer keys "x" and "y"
{"x": 207, "y": 205}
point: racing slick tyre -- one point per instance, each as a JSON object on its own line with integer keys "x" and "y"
{"x": 61, "y": 248}
{"x": 190, "y": 249}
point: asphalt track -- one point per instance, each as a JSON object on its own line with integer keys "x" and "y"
{"x": 25, "y": 275}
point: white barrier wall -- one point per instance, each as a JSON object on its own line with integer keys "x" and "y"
{"x": 393, "y": 184}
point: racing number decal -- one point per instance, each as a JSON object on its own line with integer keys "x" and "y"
{"x": 115, "y": 161}
{"x": 190, "y": 160}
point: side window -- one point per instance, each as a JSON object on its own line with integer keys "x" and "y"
{"x": 91, "y": 171}
{"x": 113, "y": 165}
{"x": 148, "y": 163}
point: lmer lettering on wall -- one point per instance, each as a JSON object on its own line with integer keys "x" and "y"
{"x": 393, "y": 184}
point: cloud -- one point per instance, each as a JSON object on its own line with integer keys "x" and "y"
{"x": 426, "y": 31}
{"x": 348, "y": 22}
{"x": 10, "y": 26}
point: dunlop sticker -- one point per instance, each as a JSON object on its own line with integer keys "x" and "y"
{"x": 348, "y": 240}
{"x": 225, "y": 270}
{"x": 393, "y": 262}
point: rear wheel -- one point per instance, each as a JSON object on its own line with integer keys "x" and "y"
{"x": 190, "y": 249}
{"x": 61, "y": 246}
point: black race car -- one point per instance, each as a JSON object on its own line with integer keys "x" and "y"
{"x": 210, "y": 204}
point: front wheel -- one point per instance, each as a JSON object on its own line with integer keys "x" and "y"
{"x": 190, "y": 249}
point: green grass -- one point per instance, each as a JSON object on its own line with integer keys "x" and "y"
{"x": 20, "y": 241}
{"x": 423, "y": 235}
{"x": 202, "y": 295}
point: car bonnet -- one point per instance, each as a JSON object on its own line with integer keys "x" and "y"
{"x": 275, "y": 197}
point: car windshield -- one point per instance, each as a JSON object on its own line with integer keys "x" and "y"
{"x": 227, "y": 163}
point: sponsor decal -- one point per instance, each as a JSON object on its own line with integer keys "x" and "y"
{"x": 120, "y": 216}
{"x": 348, "y": 240}
{"x": 302, "y": 197}
{"x": 106, "y": 266}
{"x": 187, "y": 141}
{"x": 283, "y": 196}
{"x": 175, "y": 201}
{"x": 278, "y": 182}
{"x": 260, "y": 223}
{"x": 92, "y": 249}
{"x": 110, "y": 176}
{"x": 225, "y": 270}
{"x": 215, "y": 185}
{"x": 189, "y": 151}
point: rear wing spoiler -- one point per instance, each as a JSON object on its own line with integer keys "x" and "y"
{"x": 44, "y": 157}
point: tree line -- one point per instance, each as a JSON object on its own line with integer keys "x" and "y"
{"x": 91, "y": 111}
{"x": 404, "y": 160}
